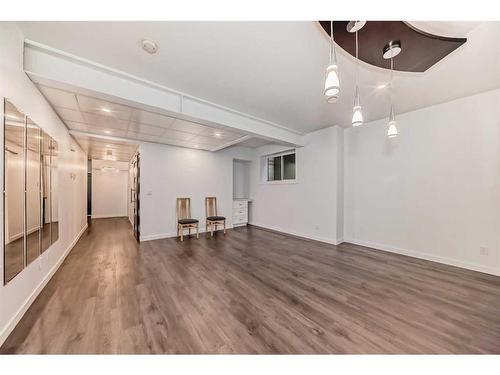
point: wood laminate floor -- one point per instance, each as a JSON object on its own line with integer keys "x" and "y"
{"x": 254, "y": 291}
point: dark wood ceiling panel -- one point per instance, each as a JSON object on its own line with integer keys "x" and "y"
{"x": 420, "y": 50}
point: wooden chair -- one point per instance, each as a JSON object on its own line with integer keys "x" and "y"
{"x": 184, "y": 219}
{"x": 211, "y": 212}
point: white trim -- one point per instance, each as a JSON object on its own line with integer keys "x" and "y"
{"x": 299, "y": 234}
{"x": 160, "y": 236}
{"x": 108, "y": 216}
{"x": 427, "y": 256}
{"x": 9, "y": 327}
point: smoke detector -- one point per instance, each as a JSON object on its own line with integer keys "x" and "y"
{"x": 149, "y": 46}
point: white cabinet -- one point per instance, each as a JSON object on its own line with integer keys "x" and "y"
{"x": 240, "y": 212}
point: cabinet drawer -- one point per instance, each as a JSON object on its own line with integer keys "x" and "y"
{"x": 240, "y": 204}
{"x": 239, "y": 219}
{"x": 240, "y": 211}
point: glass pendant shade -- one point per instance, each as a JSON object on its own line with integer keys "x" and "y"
{"x": 332, "y": 81}
{"x": 392, "y": 132}
{"x": 332, "y": 84}
{"x": 357, "y": 116}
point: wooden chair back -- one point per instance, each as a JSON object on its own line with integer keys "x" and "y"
{"x": 183, "y": 208}
{"x": 211, "y": 206}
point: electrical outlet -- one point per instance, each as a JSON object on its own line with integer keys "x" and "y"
{"x": 483, "y": 250}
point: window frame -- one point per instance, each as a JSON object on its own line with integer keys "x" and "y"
{"x": 281, "y": 155}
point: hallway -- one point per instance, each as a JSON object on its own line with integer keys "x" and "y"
{"x": 254, "y": 291}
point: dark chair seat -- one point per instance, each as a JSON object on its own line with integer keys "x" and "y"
{"x": 187, "y": 221}
{"x": 216, "y": 218}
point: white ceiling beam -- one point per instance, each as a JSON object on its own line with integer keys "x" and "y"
{"x": 48, "y": 66}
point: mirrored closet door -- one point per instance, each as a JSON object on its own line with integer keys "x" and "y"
{"x": 30, "y": 198}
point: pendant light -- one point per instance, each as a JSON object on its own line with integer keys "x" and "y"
{"x": 390, "y": 51}
{"x": 332, "y": 82}
{"x": 357, "y": 116}
{"x": 392, "y": 132}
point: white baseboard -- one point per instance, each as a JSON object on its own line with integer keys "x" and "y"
{"x": 107, "y": 216}
{"x": 427, "y": 256}
{"x": 9, "y": 327}
{"x": 159, "y": 236}
{"x": 299, "y": 234}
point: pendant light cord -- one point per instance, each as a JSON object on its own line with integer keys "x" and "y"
{"x": 357, "y": 60}
{"x": 392, "y": 78}
{"x": 331, "y": 42}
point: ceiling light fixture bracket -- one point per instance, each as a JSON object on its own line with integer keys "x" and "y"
{"x": 354, "y": 26}
{"x": 392, "y": 49}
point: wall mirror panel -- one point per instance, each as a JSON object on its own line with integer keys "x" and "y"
{"x": 46, "y": 203}
{"x": 30, "y": 196}
{"x": 33, "y": 186}
{"x": 54, "y": 209}
{"x": 13, "y": 200}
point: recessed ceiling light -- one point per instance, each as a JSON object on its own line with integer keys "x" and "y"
{"x": 107, "y": 110}
{"x": 149, "y": 46}
{"x": 217, "y": 134}
{"x": 382, "y": 86}
{"x": 196, "y": 146}
{"x": 108, "y": 145}
{"x": 107, "y": 131}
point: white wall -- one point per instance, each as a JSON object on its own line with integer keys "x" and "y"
{"x": 169, "y": 172}
{"x": 109, "y": 189}
{"x": 17, "y": 295}
{"x": 434, "y": 191}
{"x": 310, "y": 207}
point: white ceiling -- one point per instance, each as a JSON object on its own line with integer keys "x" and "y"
{"x": 275, "y": 70}
{"x": 105, "y": 118}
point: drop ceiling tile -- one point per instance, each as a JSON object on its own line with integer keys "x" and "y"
{"x": 98, "y": 148}
{"x": 177, "y": 135}
{"x": 210, "y": 131}
{"x": 96, "y": 120}
{"x": 188, "y": 127}
{"x": 143, "y": 137}
{"x": 151, "y": 118}
{"x": 69, "y": 114}
{"x": 60, "y": 98}
{"x": 145, "y": 129}
{"x": 212, "y": 141}
{"x": 103, "y": 107}
{"x": 95, "y": 129}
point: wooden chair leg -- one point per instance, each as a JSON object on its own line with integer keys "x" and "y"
{"x": 212, "y": 229}
{"x": 197, "y": 232}
{"x": 182, "y": 233}
{"x": 189, "y": 231}
{"x": 224, "y": 227}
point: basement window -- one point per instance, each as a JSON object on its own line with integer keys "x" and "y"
{"x": 280, "y": 167}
